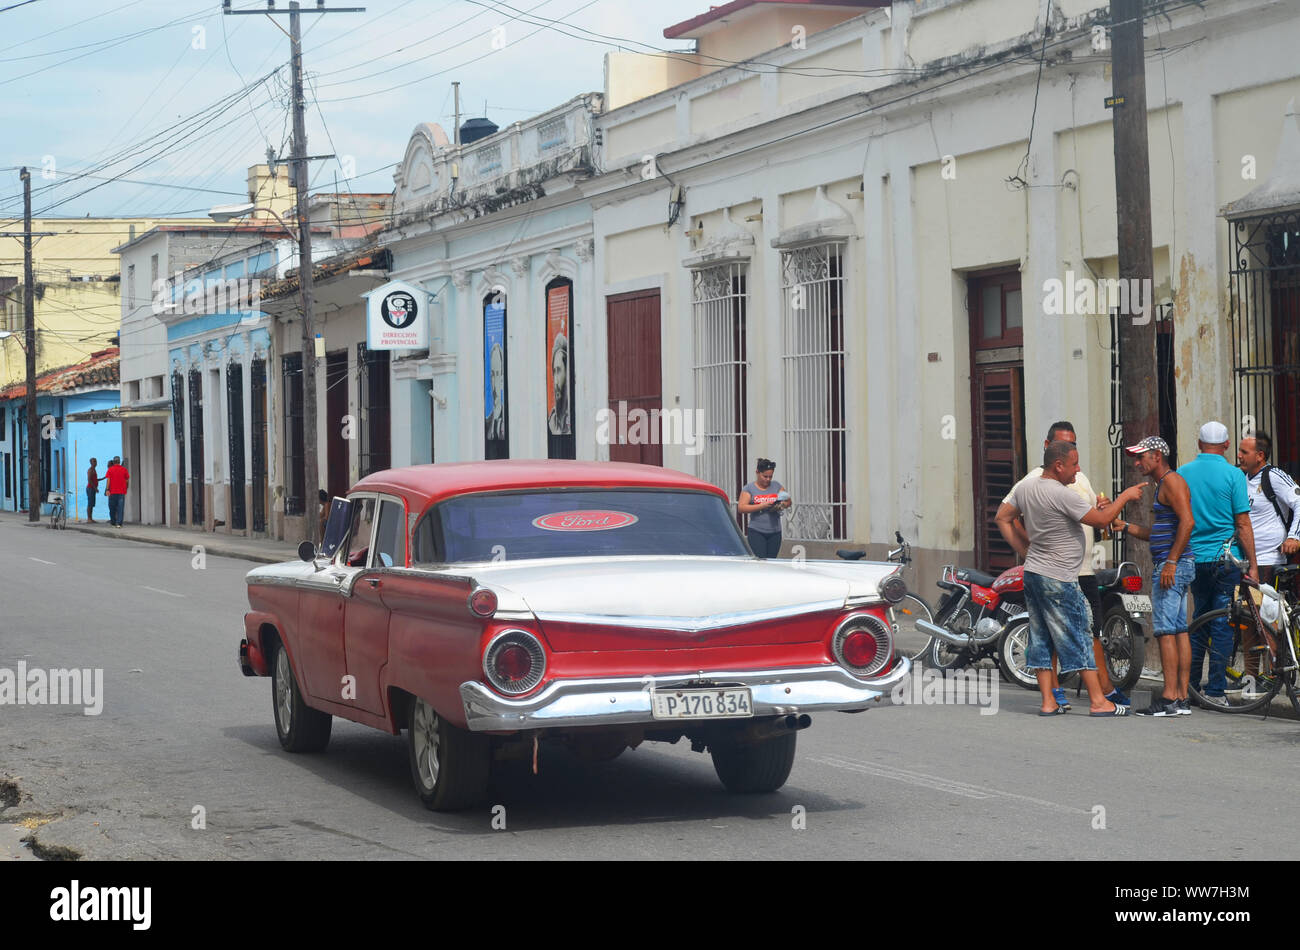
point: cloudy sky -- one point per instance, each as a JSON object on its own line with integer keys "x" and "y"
{"x": 148, "y": 92}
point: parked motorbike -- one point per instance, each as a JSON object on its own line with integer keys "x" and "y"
{"x": 1122, "y": 632}
{"x": 974, "y": 617}
{"x": 907, "y": 614}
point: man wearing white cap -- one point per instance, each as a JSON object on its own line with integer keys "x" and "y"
{"x": 1221, "y": 507}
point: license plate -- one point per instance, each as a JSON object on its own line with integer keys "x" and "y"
{"x": 702, "y": 704}
{"x": 1136, "y": 603}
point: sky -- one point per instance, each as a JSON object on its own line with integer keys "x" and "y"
{"x": 173, "y": 93}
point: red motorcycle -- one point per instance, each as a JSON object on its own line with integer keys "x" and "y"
{"x": 982, "y": 616}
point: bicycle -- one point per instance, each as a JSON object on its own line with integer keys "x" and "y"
{"x": 58, "y": 513}
{"x": 1253, "y": 685}
{"x": 908, "y": 640}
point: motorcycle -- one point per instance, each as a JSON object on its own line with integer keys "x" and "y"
{"x": 975, "y": 615}
{"x": 1122, "y": 633}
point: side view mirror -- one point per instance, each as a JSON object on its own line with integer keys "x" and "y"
{"x": 307, "y": 551}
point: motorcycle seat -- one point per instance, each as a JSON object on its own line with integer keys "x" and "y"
{"x": 975, "y": 577}
{"x": 850, "y": 555}
{"x": 1107, "y": 576}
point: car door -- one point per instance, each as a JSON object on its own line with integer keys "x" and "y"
{"x": 321, "y": 608}
{"x": 366, "y": 618}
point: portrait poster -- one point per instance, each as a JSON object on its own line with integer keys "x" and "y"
{"x": 560, "y": 442}
{"x": 495, "y": 420}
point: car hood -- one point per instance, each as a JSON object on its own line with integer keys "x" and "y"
{"x": 679, "y": 592}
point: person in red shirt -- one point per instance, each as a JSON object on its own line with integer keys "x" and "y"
{"x": 117, "y": 477}
{"x": 92, "y": 489}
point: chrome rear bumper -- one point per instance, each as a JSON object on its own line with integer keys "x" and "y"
{"x": 627, "y": 701}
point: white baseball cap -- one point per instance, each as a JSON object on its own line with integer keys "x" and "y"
{"x": 1214, "y": 433}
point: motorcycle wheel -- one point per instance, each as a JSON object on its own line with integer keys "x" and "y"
{"x": 942, "y": 655}
{"x": 1011, "y": 656}
{"x": 1124, "y": 647}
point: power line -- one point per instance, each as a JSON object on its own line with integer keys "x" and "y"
{"x": 15, "y": 6}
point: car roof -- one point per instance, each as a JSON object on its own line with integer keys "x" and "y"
{"x": 423, "y": 485}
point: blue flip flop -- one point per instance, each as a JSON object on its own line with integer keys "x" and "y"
{"x": 1058, "y": 711}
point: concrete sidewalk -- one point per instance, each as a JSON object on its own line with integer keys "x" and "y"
{"x": 264, "y": 550}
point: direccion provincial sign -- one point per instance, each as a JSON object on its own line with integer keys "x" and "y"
{"x": 397, "y": 317}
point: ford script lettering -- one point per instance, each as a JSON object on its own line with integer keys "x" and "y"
{"x": 584, "y": 520}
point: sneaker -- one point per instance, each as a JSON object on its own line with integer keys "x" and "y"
{"x": 1059, "y": 695}
{"x": 1182, "y": 707}
{"x": 1160, "y": 707}
{"x": 1118, "y": 698}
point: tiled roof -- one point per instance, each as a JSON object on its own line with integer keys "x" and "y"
{"x": 364, "y": 259}
{"x": 99, "y": 369}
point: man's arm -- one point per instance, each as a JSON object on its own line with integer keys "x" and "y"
{"x": 1101, "y": 517}
{"x": 1247, "y": 535}
{"x": 1005, "y": 518}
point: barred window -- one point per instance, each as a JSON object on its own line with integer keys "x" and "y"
{"x": 721, "y": 369}
{"x": 812, "y": 361}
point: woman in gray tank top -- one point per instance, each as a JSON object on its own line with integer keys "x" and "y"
{"x": 763, "y": 499}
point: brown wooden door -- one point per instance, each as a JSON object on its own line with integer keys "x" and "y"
{"x": 635, "y": 374}
{"x": 997, "y": 407}
{"x": 999, "y": 457}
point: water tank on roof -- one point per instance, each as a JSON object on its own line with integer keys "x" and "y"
{"x": 472, "y": 130}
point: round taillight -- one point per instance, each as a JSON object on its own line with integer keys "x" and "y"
{"x": 893, "y": 589}
{"x": 863, "y": 644}
{"x": 514, "y": 662}
{"x": 859, "y": 648}
{"x": 483, "y": 602}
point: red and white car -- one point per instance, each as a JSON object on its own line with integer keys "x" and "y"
{"x": 487, "y": 606}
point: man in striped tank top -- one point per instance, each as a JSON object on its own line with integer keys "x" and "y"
{"x": 1169, "y": 536}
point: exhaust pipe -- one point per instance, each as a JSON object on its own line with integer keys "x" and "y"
{"x": 961, "y": 639}
{"x": 778, "y": 726}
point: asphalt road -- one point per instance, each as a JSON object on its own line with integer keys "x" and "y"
{"x": 181, "y": 728}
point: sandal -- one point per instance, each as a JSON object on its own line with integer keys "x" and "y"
{"x": 1058, "y": 711}
{"x": 1117, "y": 711}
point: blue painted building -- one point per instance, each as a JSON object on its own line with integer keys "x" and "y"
{"x": 68, "y": 440}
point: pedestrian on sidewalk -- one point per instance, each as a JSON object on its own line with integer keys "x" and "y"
{"x": 1221, "y": 507}
{"x": 1063, "y": 431}
{"x": 1274, "y": 505}
{"x": 762, "y": 500}
{"x": 1058, "y": 610}
{"x": 1169, "y": 535}
{"x": 117, "y": 477}
{"x": 92, "y": 489}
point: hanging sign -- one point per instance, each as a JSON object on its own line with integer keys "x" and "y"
{"x": 397, "y": 317}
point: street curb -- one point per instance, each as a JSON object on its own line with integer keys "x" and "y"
{"x": 208, "y": 546}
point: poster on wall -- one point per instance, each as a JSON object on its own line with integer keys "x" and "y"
{"x": 397, "y": 317}
{"x": 495, "y": 419}
{"x": 560, "y": 443}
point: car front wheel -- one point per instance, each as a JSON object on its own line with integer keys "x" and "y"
{"x": 450, "y": 766}
{"x": 301, "y": 728}
{"x": 753, "y": 767}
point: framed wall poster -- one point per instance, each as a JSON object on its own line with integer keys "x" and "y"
{"x": 495, "y": 418}
{"x": 560, "y": 442}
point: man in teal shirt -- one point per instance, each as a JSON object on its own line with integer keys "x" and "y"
{"x": 1221, "y": 508}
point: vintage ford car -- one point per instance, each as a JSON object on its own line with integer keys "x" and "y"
{"x": 489, "y": 606}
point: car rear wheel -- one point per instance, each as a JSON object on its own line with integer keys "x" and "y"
{"x": 753, "y": 767}
{"x": 449, "y": 766}
{"x": 301, "y": 728}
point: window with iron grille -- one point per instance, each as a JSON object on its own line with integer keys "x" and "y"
{"x": 812, "y": 362}
{"x": 373, "y": 387}
{"x": 720, "y": 302}
{"x": 294, "y": 452}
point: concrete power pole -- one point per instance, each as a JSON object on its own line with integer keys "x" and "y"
{"x": 301, "y": 179}
{"x": 1139, "y": 411}
{"x": 34, "y": 493}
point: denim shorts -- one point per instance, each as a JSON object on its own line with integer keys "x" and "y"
{"x": 1060, "y": 620}
{"x": 1168, "y": 605}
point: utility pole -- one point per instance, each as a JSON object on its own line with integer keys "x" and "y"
{"x": 299, "y": 159}
{"x": 1139, "y": 411}
{"x": 29, "y": 331}
{"x": 455, "y": 134}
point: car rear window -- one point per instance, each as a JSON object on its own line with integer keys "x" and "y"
{"x": 525, "y": 525}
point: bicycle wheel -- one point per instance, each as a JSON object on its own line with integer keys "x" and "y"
{"x": 1244, "y": 692}
{"x": 910, "y": 641}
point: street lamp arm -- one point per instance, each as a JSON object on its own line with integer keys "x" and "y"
{"x": 223, "y": 213}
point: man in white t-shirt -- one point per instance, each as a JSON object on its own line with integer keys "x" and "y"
{"x": 1064, "y": 432}
{"x": 1274, "y": 506}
